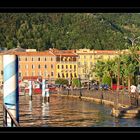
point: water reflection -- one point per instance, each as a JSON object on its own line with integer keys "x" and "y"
{"x": 30, "y": 105}
{"x": 45, "y": 109}
{"x": 67, "y": 112}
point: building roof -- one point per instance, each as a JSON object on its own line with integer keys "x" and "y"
{"x": 18, "y": 49}
{"x": 105, "y": 52}
{"x": 47, "y": 53}
{"x": 57, "y": 52}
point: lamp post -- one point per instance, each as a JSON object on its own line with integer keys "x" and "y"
{"x": 80, "y": 87}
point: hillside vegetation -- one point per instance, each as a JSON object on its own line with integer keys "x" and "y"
{"x": 69, "y": 30}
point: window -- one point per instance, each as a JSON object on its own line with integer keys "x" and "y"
{"x": 84, "y": 57}
{"x": 19, "y": 59}
{"x": 39, "y": 66}
{"x": 45, "y": 66}
{"x": 63, "y": 75}
{"x": 39, "y": 73}
{"x": 83, "y": 71}
{"x": 62, "y": 66}
{"x": 26, "y": 66}
{"x": 51, "y": 59}
{"x": 66, "y": 66}
{"x": 33, "y": 73}
{"x": 32, "y": 59}
{"x": 58, "y": 66}
{"x": 79, "y": 63}
{"x": 66, "y": 75}
{"x": 74, "y": 66}
{"x": 33, "y": 66}
{"x": 45, "y": 73}
{"x": 45, "y": 59}
{"x": 70, "y": 66}
{"x": 52, "y": 66}
{"x": 26, "y": 73}
{"x": 39, "y": 59}
{"x": 1, "y": 72}
{"x": 58, "y": 75}
{"x": 90, "y": 63}
{"x": 26, "y": 59}
{"x": 75, "y": 75}
{"x": 19, "y": 74}
{"x": 51, "y": 73}
{"x": 71, "y": 75}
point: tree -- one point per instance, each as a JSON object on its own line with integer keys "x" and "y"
{"x": 106, "y": 80}
{"x": 99, "y": 70}
{"x": 62, "y": 81}
{"x": 129, "y": 64}
{"x": 109, "y": 70}
{"x": 76, "y": 82}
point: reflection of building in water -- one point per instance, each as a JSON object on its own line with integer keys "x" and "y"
{"x": 30, "y": 105}
{"x": 45, "y": 109}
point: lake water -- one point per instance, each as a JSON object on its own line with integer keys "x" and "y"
{"x": 68, "y": 112}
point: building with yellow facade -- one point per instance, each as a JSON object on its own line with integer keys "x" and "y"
{"x": 85, "y": 63}
{"x": 87, "y": 59}
{"x": 66, "y": 64}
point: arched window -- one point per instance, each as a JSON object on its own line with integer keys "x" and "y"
{"x": 39, "y": 66}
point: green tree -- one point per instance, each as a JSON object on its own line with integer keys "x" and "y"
{"x": 99, "y": 69}
{"x": 130, "y": 65}
{"x": 61, "y": 81}
{"x": 76, "y": 82}
{"x": 106, "y": 80}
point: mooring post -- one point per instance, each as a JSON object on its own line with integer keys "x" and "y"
{"x": 43, "y": 90}
{"x": 47, "y": 93}
{"x": 11, "y": 87}
{"x": 30, "y": 90}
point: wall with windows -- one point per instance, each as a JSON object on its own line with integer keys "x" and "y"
{"x": 37, "y": 65}
{"x": 66, "y": 67}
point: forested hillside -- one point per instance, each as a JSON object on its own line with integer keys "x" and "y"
{"x": 69, "y": 30}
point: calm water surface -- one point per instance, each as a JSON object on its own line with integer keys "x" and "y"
{"x": 68, "y": 112}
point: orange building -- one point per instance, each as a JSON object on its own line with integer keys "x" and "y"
{"x": 37, "y": 64}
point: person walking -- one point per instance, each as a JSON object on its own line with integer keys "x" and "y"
{"x": 133, "y": 95}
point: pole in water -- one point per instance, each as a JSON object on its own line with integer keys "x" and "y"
{"x": 11, "y": 88}
{"x": 47, "y": 93}
{"x": 43, "y": 90}
{"x": 30, "y": 90}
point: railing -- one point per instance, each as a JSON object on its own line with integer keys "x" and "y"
{"x": 6, "y": 112}
{"x": 108, "y": 95}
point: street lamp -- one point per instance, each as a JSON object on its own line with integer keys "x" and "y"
{"x": 80, "y": 87}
